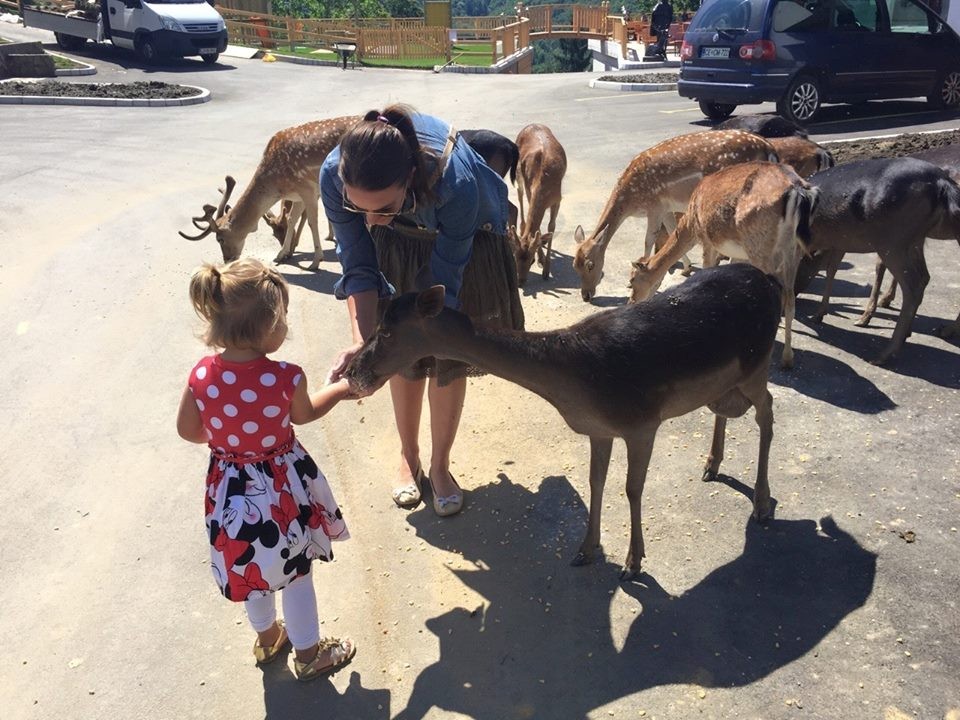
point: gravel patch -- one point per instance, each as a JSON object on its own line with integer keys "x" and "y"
{"x": 131, "y": 91}
{"x": 848, "y": 151}
{"x": 652, "y": 77}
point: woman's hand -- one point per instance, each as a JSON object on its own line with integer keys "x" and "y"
{"x": 340, "y": 364}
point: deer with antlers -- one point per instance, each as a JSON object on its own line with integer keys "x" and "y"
{"x": 542, "y": 165}
{"x": 658, "y": 183}
{"x": 619, "y": 373}
{"x": 288, "y": 170}
{"x": 758, "y": 212}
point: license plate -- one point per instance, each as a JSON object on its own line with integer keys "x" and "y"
{"x": 208, "y": 51}
{"x": 715, "y": 52}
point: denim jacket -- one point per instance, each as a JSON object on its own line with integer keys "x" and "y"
{"x": 469, "y": 197}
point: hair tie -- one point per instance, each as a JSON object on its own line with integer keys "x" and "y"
{"x": 383, "y": 119}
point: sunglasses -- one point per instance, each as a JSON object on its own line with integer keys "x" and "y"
{"x": 350, "y": 207}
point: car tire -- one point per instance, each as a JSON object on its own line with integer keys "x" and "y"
{"x": 716, "y": 111}
{"x": 69, "y": 42}
{"x": 801, "y": 102}
{"x": 210, "y": 59}
{"x": 946, "y": 93}
{"x": 146, "y": 50}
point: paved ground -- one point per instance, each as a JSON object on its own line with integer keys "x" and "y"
{"x": 109, "y": 610}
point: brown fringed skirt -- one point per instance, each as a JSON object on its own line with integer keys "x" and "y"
{"x": 489, "y": 294}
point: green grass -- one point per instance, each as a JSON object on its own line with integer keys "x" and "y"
{"x": 3, "y": 41}
{"x": 62, "y": 63}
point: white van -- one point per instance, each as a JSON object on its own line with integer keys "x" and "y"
{"x": 151, "y": 28}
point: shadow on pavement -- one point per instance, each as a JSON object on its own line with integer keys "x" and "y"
{"x": 285, "y": 697}
{"x": 541, "y": 645}
{"x": 127, "y": 60}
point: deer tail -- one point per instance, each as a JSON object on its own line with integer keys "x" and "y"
{"x": 514, "y": 160}
{"x": 800, "y": 203}
{"x": 950, "y": 199}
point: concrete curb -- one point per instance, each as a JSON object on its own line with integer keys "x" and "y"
{"x": 203, "y": 96}
{"x": 87, "y": 68}
{"x": 638, "y": 87}
{"x": 301, "y": 61}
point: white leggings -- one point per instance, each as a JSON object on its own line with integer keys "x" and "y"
{"x": 299, "y": 611}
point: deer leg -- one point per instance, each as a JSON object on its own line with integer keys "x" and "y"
{"x": 330, "y": 237}
{"x": 600, "y": 449}
{"x": 831, "y": 264}
{"x": 716, "y": 449}
{"x": 787, "y": 279}
{"x": 871, "y": 308}
{"x": 756, "y": 391}
{"x": 311, "y": 210}
{"x": 545, "y": 262}
{"x": 639, "y": 449}
{"x": 289, "y": 238}
{"x": 910, "y": 270}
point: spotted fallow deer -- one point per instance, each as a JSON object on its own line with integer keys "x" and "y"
{"x": 658, "y": 183}
{"x": 757, "y": 212}
{"x": 804, "y": 156}
{"x": 888, "y": 207}
{"x": 288, "y": 170}
{"x": 619, "y": 373}
{"x": 543, "y": 163}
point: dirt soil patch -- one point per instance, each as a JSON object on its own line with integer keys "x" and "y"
{"x": 652, "y": 77}
{"x": 848, "y": 151}
{"x": 130, "y": 91}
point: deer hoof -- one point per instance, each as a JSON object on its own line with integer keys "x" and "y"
{"x": 629, "y": 573}
{"x": 709, "y": 475}
{"x": 282, "y": 257}
{"x": 762, "y": 514}
{"x": 863, "y": 322}
{"x": 315, "y": 265}
{"x": 582, "y": 558}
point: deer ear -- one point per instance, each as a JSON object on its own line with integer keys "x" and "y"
{"x": 430, "y": 302}
{"x": 601, "y": 237}
{"x": 578, "y": 235}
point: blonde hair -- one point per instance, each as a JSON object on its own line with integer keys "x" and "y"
{"x": 243, "y": 302}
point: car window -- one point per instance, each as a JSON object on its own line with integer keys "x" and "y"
{"x": 729, "y": 15}
{"x": 821, "y": 15}
{"x": 908, "y": 17}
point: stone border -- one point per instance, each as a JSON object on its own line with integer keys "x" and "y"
{"x": 296, "y": 60}
{"x": 203, "y": 96}
{"x": 87, "y": 68}
{"x": 638, "y": 87}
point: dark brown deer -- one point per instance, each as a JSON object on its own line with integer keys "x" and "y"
{"x": 543, "y": 163}
{"x": 618, "y": 373}
{"x": 886, "y": 206}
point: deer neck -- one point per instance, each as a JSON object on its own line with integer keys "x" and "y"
{"x": 531, "y": 360}
{"x": 258, "y": 197}
{"x": 670, "y": 252}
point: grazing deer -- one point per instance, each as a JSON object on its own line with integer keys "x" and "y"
{"x": 757, "y": 212}
{"x": 804, "y": 156}
{"x": 543, "y": 163}
{"x": 657, "y": 183}
{"x": 768, "y": 126}
{"x": 886, "y": 206}
{"x": 618, "y": 373}
{"x": 946, "y": 157}
{"x": 288, "y": 170}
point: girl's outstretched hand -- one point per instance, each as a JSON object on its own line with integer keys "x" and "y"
{"x": 341, "y": 362}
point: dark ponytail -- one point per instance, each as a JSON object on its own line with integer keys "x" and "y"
{"x": 382, "y": 149}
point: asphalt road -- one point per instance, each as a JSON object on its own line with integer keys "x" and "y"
{"x": 109, "y": 610}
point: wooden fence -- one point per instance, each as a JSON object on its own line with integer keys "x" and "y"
{"x": 10, "y": 7}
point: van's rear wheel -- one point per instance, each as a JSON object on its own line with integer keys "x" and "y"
{"x": 716, "y": 111}
{"x": 69, "y": 42}
{"x": 946, "y": 93}
{"x": 210, "y": 59}
{"x": 801, "y": 102}
{"x": 146, "y": 50}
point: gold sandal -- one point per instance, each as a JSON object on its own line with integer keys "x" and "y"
{"x": 409, "y": 496}
{"x": 266, "y": 655}
{"x": 341, "y": 653}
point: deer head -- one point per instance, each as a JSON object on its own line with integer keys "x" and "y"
{"x": 407, "y": 332}
{"x": 588, "y": 260}
{"x": 217, "y": 221}
{"x": 642, "y": 283}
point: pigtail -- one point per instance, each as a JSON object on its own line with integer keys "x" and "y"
{"x": 206, "y": 292}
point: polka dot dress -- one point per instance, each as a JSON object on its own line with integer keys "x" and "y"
{"x": 269, "y": 510}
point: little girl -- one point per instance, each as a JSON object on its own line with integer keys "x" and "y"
{"x": 269, "y": 510}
